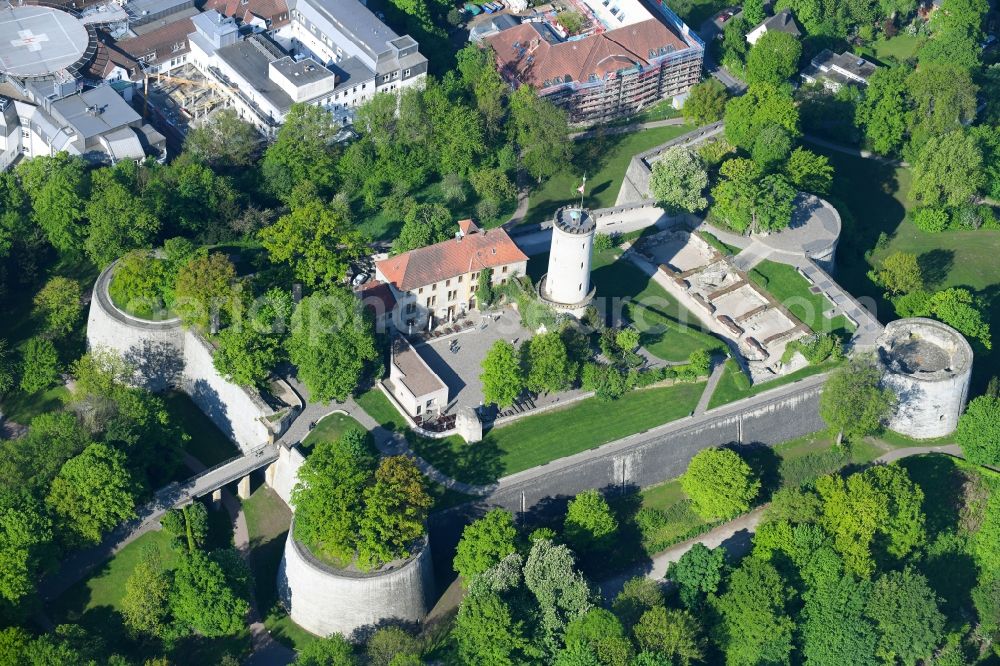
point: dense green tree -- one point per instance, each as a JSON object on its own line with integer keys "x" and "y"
{"x": 246, "y": 355}
{"x": 542, "y": 132}
{"x": 328, "y": 497}
{"x": 762, "y": 105}
{"x": 978, "y": 431}
{"x": 502, "y": 378}
{"x": 734, "y": 44}
{"x": 774, "y": 58}
{"x": 145, "y": 606}
{"x": 905, "y": 610}
{"x": 854, "y": 403}
{"x": 489, "y": 632}
{"x": 57, "y": 188}
{"x": 331, "y": 343}
{"x": 771, "y": 148}
{"x": 302, "y": 151}
{"x": 675, "y": 634}
{"x": 118, "y": 219}
{"x": 60, "y": 303}
{"x": 189, "y": 524}
{"x": 561, "y": 591}
{"x": 678, "y": 181}
{"x": 39, "y": 365}
{"x": 315, "y": 238}
{"x": 423, "y": 224}
{"x": 959, "y": 309}
{"x": 754, "y": 626}
{"x": 25, "y": 537}
{"x": 706, "y": 102}
{"x": 141, "y": 282}
{"x": 882, "y": 502}
{"x": 809, "y": 172}
{"x": 957, "y": 32}
{"x": 882, "y": 113}
{"x": 32, "y": 461}
{"x": 900, "y": 273}
{"x": 92, "y": 493}
{"x": 396, "y": 507}
{"x": 637, "y": 596}
{"x": 720, "y": 484}
{"x": 205, "y": 287}
{"x": 484, "y": 543}
{"x": 14, "y": 210}
{"x": 484, "y": 288}
{"x": 697, "y": 574}
{"x": 948, "y": 170}
{"x": 746, "y": 200}
{"x": 389, "y": 645}
{"x": 753, "y": 11}
{"x": 203, "y": 599}
{"x": 224, "y": 141}
{"x": 191, "y": 198}
{"x": 549, "y": 366}
{"x": 601, "y": 633}
{"x": 835, "y": 630}
{"x": 8, "y": 377}
{"x": 590, "y": 524}
{"x": 944, "y": 99}
{"x": 333, "y": 650}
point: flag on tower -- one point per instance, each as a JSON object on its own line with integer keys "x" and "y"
{"x": 580, "y": 189}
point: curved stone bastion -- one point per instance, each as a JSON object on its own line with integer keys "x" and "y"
{"x": 325, "y": 600}
{"x": 168, "y": 356}
{"x": 929, "y": 365}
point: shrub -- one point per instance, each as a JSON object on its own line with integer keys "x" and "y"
{"x": 40, "y": 365}
{"x": 700, "y": 362}
{"x": 931, "y": 220}
{"x": 602, "y": 242}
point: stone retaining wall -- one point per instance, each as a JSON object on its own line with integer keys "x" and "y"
{"x": 323, "y": 601}
{"x": 167, "y": 356}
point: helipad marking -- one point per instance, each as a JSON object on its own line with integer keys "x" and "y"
{"x": 30, "y": 39}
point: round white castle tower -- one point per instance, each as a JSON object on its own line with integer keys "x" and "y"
{"x": 566, "y": 287}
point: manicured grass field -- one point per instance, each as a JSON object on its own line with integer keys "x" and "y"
{"x": 268, "y": 520}
{"x": 379, "y": 408}
{"x": 899, "y": 48}
{"x": 95, "y": 603}
{"x": 735, "y": 385}
{"x": 792, "y": 290}
{"x": 329, "y": 429}
{"x": 603, "y": 160}
{"x": 206, "y": 443}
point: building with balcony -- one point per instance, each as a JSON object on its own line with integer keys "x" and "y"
{"x": 626, "y": 57}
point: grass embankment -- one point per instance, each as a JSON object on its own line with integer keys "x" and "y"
{"x": 268, "y": 520}
{"x": 536, "y": 440}
{"x": 872, "y": 198}
{"x": 671, "y": 519}
{"x": 95, "y": 602}
{"x": 329, "y": 429}
{"x": 792, "y": 290}
{"x": 604, "y": 160}
{"x": 735, "y": 385}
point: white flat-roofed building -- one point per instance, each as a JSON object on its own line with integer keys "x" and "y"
{"x": 417, "y": 389}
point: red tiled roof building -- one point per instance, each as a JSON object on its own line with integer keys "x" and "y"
{"x": 627, "y": 58}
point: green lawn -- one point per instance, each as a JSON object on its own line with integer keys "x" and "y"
{"x": 669, "y": 330}
{"x": 735, "y": 385}
{"x": 793, "y": 291}
{"x": 21, "y": 407}
{"x": 94, "y": 604}
{"x": 790, "y": 463}
{"x": 899, "y": 48}
{"x": 329, "y": 429}
{"x": 873, "y": 200}
{"x": 603, "y": 160}
{"x": 268, "y": 520}
{"x": 206, "y": 443}
{"x": 379, "y": 408}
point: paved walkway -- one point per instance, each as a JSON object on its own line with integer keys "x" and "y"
{"x": 751, "y": 255}
{"x": 856, "y": 152}
{"x": 625, "y": 129}
{"x": 736, "y": 536}
{"x": 713, "y": 381}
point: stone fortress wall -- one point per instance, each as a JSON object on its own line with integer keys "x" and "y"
{"x": 929, "y": 366}
{"x": 166, "y": 356}
{"x": 324, "y": 600}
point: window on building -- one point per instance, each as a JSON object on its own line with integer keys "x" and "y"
{"x": 460, "y": 279}
{"x": 447, "y": 283}
{"x": 406, "y": 72}
{"x": 420, "y": 291}
{"x": 504, "y": 270}
{"x": 434, "y": 287}
{"x": 430, "y": 403}
{"x": 418, "y": 410}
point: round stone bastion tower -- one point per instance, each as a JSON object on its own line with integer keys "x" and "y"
{"x": 929, "y": 365}
{"x": 324, "y": 600}
{"x": 566, "y": 286}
